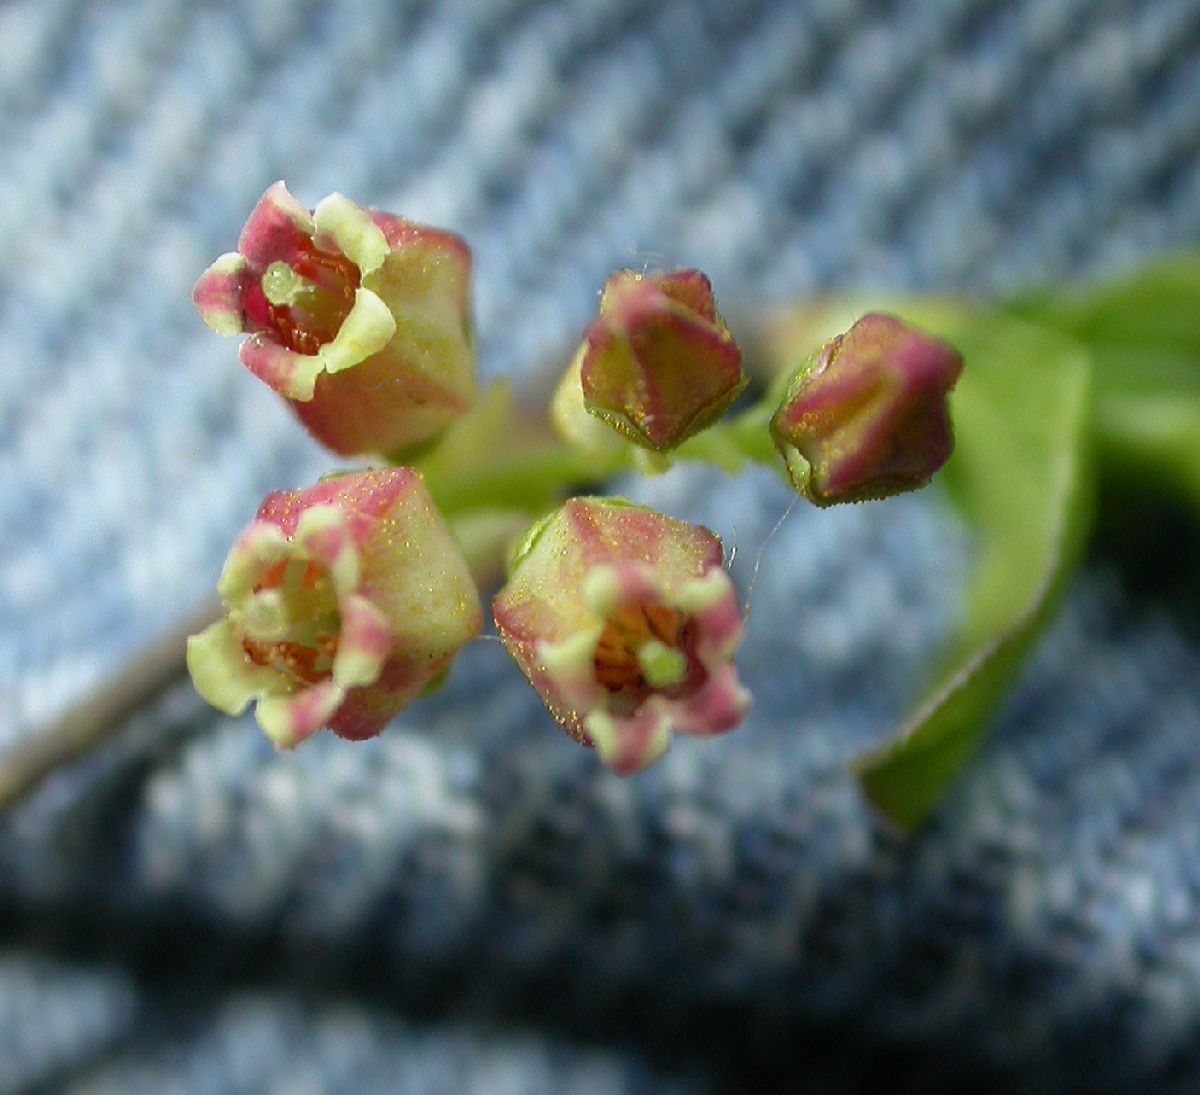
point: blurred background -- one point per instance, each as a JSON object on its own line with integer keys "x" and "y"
{"x": 468, "y": 904}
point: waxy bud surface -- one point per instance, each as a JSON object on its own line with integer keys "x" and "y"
{"x": 867, "y": 417}
{"x": 658, "y": 363}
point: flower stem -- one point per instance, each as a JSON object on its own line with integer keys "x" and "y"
{"x": 98, "y": 714}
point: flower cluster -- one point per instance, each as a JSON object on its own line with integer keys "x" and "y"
{"x": 346, "y": 600}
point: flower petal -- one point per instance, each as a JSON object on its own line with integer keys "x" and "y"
{"x": 366, "y": 330}
{"x": 259, "y": 547}
{"x": 292, "y": 375}
{"x": 712, "y": 600}
{"x": 289, "y": 719}
{"x": 276, "y": 230}
{"x": 364, "y": 644}
{"x": 570, "y": 670}
{"x": 324, "y": 535}
{"x": 717, "y": 707}
{"x": 264, "y": 617}
{"x": 218, "y": 294}
{"x": 607, "y": 588}
{"x": 222, "y": 671}
{"x": 351, "y": 228}
{"x": 627, "y": 745}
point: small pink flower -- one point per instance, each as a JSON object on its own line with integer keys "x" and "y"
{"x": 658, "y": 363}
{"x": 867, "y": 418}
{"x": 343, "y": 602}
{"x": 360, "y": 319}
{"x": 626, "y": 624}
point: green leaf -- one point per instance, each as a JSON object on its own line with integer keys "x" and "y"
{"x": 1153, "y": 305}
{"x": 1152, "y": 438}
{"x": 1142, "y": 331}
{"x": 1020, "y": 476}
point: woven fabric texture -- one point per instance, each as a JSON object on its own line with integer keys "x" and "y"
{"x": 469, "y": 903}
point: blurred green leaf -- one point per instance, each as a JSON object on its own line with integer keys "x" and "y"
{"x": 1142, "y": 332}
{"x": 1153, "y": 305}
{"x": 1020, "y": 476}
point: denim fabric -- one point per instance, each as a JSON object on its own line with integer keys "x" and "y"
{"x": 467, "y": 902}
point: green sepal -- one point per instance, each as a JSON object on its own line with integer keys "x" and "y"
{"x": 435, "y": 683}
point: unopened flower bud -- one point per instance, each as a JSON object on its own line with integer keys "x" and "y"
{"x": 658, "y": 363}
{"x": 343, "y": 602}
{"x": 867, "y": 417}
{"x": 361, "y": 320}
{"x": 626, "y": 624}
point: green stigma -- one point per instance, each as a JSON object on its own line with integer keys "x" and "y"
{"x": 661, "y": 665}
{"x": 281, "y": 284}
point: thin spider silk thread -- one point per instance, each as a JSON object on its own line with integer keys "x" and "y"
{"x": 708, "y": 745}
{"x": 747, "y": 607}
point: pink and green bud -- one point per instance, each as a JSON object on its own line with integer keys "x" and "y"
{"x": 658, "y": 363}
{"x": 343, "y": 602}
{"x": 361, "y": 320}
{"x": 868, "y": 417}
{"x": 626, "y": 624}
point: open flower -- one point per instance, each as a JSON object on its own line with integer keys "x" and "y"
{"x": 626, "y": 624}
{"x": 658, "y": 363}
{"x": 343, "y": 602}
{"x": 360, "y": 319}
{"x": 867, "y": 417}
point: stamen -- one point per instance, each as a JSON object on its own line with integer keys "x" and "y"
{"x": 664, "y": 623}
{"x": 301, "y": 663}
{"x": 273, "y": 578}
{"x": 640, "y": 649}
